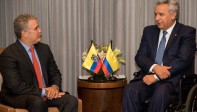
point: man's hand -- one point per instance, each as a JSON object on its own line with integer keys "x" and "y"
{"x": 149, "y": 79}
{"x": 53, "y": 92}
{"x": 61, "y": 94}
{"x": 162, "y": 71}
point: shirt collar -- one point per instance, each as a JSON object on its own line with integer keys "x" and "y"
{"x": 169, "y": 30}
{"x": 25, "y": 46}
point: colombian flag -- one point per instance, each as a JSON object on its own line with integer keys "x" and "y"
{"x": 92, "y": 61}
{"x": 110, "y": 63}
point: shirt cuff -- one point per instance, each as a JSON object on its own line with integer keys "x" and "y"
{"x": 43, "y": 92}
{"x": 156, "y": 77}
{"x": 151, "y": 68}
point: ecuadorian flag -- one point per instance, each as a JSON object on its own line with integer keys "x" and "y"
{"x": 110, "y": 63}
{"x": 92, "y": 61}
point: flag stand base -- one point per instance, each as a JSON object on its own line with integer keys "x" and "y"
{"x": 112, "y": 78}
{"x": 100, "y": 77}
{"x": 97, "y": 78}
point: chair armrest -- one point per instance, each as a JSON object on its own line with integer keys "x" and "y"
{"x": 135, "y": 74}
{"x": 189, "y": 76}
{"x": 188, "y": 79}
{"x": 5, "y": 108}
{"x": 79, "y": 105}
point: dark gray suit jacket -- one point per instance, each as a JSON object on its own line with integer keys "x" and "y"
{"x": 18, "y": 73}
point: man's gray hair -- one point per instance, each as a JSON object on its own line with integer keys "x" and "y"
{"x": 173, "y": 6}
{"x": 21, "y": 23}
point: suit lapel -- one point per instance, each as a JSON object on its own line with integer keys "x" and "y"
{"x": 26, "y": 57}
{"x": 173, "y": 37}
{"x": 155, "y": 41}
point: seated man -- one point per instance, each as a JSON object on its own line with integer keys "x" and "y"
{"x": 31, "y": 78}
{"x": 166, "y": 52}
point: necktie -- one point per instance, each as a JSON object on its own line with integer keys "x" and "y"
{"x": 161, "y": 48}
{"x": 37, "y": 68}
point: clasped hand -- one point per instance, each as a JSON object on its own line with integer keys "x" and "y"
{"x": 161, "y": 71}
{"x": 53, "y": 93}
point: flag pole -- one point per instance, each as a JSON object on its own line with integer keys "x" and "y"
{"x": 91, "y": 42}
{"x": 112, "y": 78}
{"x": 91, "y": 78}
{"x": 111, "y": 43}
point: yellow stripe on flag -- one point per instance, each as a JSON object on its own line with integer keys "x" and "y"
{"x": 112, "y": 59}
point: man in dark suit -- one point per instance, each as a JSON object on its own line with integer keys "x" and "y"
{"x": 30, "y": 86}
{"x": 166, "y": 52}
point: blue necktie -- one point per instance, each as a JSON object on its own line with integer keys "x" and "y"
{"x": 160, "y": 50}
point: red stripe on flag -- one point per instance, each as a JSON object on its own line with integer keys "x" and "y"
{"x": 106, "y": 72}
{"x": 96, "y": 70}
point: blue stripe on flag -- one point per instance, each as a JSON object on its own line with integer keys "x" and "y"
{"x": 108, "y": 66}
{"x": 93, "y": 67}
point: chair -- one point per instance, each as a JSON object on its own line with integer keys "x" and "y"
{"x": 191, "y": 102}
{"x": 185, "y": 85}
{"x": 6, "y": 108}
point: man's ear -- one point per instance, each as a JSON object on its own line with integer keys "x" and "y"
{"x": 23, "y": 34}
{"x": 173, "y": 15}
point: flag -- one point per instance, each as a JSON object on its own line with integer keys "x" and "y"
{"x": 92, "y": 61}
{"x": 110, "y": 63}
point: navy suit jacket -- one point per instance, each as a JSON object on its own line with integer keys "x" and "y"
{"x": 179, "y": 52}
{"x": 18, "y": 72}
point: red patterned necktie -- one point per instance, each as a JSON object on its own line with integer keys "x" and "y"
{"x": 37, "y": 68}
